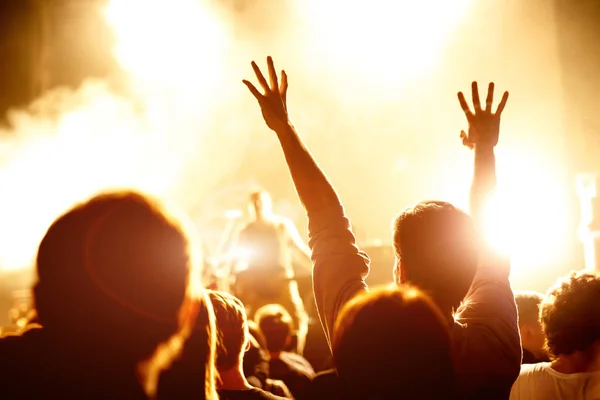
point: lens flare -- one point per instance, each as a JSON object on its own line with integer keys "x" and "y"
{"x": 382, "y": 39}
{"x": 526, "y": 217}
{"x": 73, "y": 143}
{"x": 173, "y": 43}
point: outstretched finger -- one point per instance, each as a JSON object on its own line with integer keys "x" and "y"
{"x": 283, "y": 86}
{"x": 272, "y": 74}
{"x": 253, "y": 90}
{"x": 490, "y": 97}
{"x": 260, "y": 77}
{"x": 502, "y": 103}
{"x": 475, "y": 94}
{"x": 465, "y": 106}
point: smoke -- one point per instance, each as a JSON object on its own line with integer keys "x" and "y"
{"x": 372, "y": 90}
{"x": 185, "y": 123}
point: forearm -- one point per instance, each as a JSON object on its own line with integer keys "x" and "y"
{"x": 314, "y": 189}
{"x": 484, "y": 181}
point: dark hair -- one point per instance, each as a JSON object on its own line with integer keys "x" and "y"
{"x": 528, "y": 306}
{"x": 438, "y": 247}
{"x": 116, "y": 263}
{"x": 276, "y": 324}
{"x": 255, "y": 332}
{"x": 393, "y": 342}
{"x": 232, "y": 326}
{"x": 570, "y": 314}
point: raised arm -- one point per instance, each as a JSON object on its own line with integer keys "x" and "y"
{"x": 484, "y": 130}
{"x": 488, "y": 313}
{"x": 339, "y": 267}
{"x": 313, "y": 187}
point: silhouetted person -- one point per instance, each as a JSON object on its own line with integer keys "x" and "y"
{"x": 291, "y": 368}
{"x": 112, "y": 276}
{"x": 532, "y": 335}
{"x": 408, "y": 354}
{"x": 233, "y": 332}
{"x": 265, "y": 272}
{"x": 570, "y": 317}
{"x": 437, "y": 249}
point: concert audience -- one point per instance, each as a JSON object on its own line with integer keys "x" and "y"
{"x": 570, "y": 318}
{"x": 532, "y": 335}
{"x": 438, "y": 248}
{"x": 120, "y": 314}
{"x": 233, "y": 343}
{"x": 277, "y": 326}
{"x": 112, "y": 277}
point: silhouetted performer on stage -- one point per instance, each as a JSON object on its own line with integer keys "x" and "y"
{"x": 264, "y": 271}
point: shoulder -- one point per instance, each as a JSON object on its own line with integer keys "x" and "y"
{"x": 534, "y": 369}
{"x": 17, "y": 342}
{"x": 298, "y": 362}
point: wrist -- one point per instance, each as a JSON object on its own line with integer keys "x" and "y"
{"x": 484, "y": 149}
{"x": 286, "y": 130}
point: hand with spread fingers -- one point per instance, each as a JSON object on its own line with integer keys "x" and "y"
{"x": 273, "y": 102}
{"x": 484, "y": 125}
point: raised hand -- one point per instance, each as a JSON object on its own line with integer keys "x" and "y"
{"x": 273, "y": 102}
{"x": 484, "y": 125}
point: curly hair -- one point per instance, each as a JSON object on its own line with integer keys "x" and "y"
{"x": 570, "y": 314}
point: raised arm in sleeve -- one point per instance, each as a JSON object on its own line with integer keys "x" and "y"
{"x": 339, "y": 268}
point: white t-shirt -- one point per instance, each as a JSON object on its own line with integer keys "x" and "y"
{"x": 541, "y": 382}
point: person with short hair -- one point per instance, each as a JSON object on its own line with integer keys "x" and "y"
{"x": 570, "y": 317}
{"x": 113, "y": 279}
{"x": 438, "y": 247}
{"x": 232, "y": 325}
{"x": 532, "y": 334}
{"x": 277, "y": 326}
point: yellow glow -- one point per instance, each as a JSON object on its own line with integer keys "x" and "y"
{"x": 174, "y": 43}
{"x": 381, "y": 41}
{"x": 71, "y": 144}
{"x": 526, "y": 219}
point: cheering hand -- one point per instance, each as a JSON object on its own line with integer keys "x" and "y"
{"x": 484, "y": 125}
{"x": 273, "y": 101}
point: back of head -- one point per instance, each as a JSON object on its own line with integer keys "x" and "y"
{"x": 276, "y": 324}
{"x": 393, "y": 343}
{"x": 231, "y": 322}
{"x": 528, "y": 306}
{"x": 570, "y": 314}
{"x": 112, "y": 274}
{"x": 438, "y": 247}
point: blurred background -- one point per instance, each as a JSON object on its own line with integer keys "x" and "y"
{"x": 98, "y": 94}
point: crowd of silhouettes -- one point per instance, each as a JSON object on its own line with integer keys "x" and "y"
{"x": 120, "y": 312}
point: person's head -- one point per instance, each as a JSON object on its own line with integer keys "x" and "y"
{"x": 393, "y": 342}
{"x": 261, "y": 205}
{"x": 113, "y": 274}
{"x": 232, "y": 325}
{"x": 532, "y": 335}
{"x": 277, "y": 326}
{"x": 570, "y": 315}
{"x": 437, "y": 251}
{"x": 257, "y": 335}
